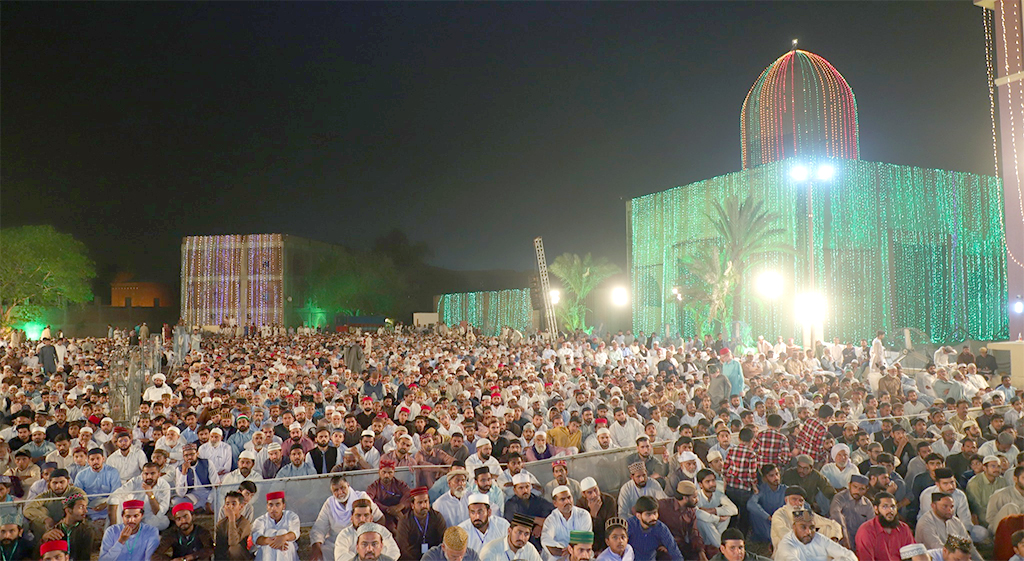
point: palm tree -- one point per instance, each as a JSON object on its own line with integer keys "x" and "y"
{"x": 708, "y": 292}
{"x": 748, "y": 233}
{"x": 579, "y": 276}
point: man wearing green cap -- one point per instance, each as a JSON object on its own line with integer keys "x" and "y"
{"x": 581, "y": 546}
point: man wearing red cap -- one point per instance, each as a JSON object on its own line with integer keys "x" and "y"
{"x": 54, "y": 550}
{"x": 421, "y": 529}
{"x": 391, "y": 495}
{"x": 131, "y": 540}
{"x": 276, "y": 532}
{"x": 186, "y": 541}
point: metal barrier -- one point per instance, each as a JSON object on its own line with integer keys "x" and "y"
{"x": 130, "y": 370}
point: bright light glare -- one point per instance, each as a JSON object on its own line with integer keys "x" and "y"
{"x": 825, "y": 172}
{"x": 556, "y": 297}
{"x": 675, "y": 290}
{"x": 620, "y": 296}
{"x": 770, "y": 285}
{"x": 810, "y": 308}
{"x": 1018, "y": 307}
{"x": 799, "y": 173}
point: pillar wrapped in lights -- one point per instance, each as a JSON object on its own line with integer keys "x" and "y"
{"x": 894, "y": 246}
{"x": 488, "y": 311}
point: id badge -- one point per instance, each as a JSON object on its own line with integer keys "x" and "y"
{"x": 423, "y": 549}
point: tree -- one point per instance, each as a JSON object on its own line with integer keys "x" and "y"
{"x": 579, "y": 277}
{"x": 354, "y": 284}
{"x": 41, "y": 267}
{"x": 713, "y": 282}
{"x": 403, "y": 253}
{"x": 748, "y": 234}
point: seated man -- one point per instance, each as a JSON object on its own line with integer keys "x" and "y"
{"x": 782, "y": 520}
{"x": 186, "y": 540}
{"x": 762, "y": 505}
{"x": 803, "y": 543}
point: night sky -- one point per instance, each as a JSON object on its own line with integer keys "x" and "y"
{"x": 473, "y": 127}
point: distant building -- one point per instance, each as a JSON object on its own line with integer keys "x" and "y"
{"x": 138, "y": 294}
{"x": 255, "y": 279}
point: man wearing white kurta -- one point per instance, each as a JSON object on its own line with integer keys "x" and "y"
{"x": 515, "y": 545}
{"x": 450, "y": 504}
{"x": 481, "y": 527}
{"x": 246, "y": 472}
{"x": 336, "y": 514}
{"x": 564, "y": 519}
{"x": 278, "y": 527}
{"x": 217, "y": 454}
{"x": 152, "y": 490}
{"x": 345, "y": 543}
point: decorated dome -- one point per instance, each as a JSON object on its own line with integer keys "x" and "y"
{"x": 799, "y": 106}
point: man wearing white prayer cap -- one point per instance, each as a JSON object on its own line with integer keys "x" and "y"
{"x": 218, "y": 454}
{"x": 483, "y": 457}
{"x": 914, "y": 552}
{"x": 564, "y": 519}
{"x": 481, "y": 526}
{"x": 601, "y": 507}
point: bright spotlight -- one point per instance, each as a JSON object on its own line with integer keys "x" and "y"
{"x": 1018, "y": 307}
{"x": 799, "y": 173}
{"x": 620, "y": 296}
{"x": 810, "y": 308}
{"x": 556, "y": 297}
{"x": 825, "y": 172}
{"x": 770, "y": 285}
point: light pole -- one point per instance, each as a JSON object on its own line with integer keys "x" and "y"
{"x": 802, "y": 175}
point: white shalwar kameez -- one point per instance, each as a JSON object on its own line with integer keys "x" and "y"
{"x": 266, "y": 527}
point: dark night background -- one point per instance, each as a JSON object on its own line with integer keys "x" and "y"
{"x": 472, "y": 127}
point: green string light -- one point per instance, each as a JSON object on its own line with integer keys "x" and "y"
{"x": 488, "y": 311}
{"x": 895, "y": 246}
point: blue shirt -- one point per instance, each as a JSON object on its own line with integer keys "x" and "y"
{"x": 101, "y": 484}
{"x": 238, "y": 440}
{"x": 437, "y": 554}
{"x": 734, "y": 373}
{"x": 289, "y": 470}
{"x": 139, "y": 547}
{"x": 646, "y": 542}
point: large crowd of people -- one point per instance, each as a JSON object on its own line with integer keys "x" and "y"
{"x": 804, "y": 454}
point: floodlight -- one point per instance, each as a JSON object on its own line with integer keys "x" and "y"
{"x": 1018, "y": 307}
{"x": 799, "y": 173}
{"x": 620, "y": 296}
{"x": 810, "y": 308}
{"x": 770, "y": 285}
{"x": 825, "y": 172}
{"x": 556, "y": 296}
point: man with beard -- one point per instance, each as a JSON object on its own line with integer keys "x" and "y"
{"x": 647, "y": 534}
{"x": 805, "y": 544}
{"x": 601, "y": 507}
{"x": 581, "y": 546}
{"x": 637, "y": 486}
{"x": 128, "y": 461}
{"x": 186, "y": 540}
{"x": 335, "y": 515}
{"x": 770, "y": 496}
{"x": 480, "y": 527}
{"x": 450, "y": 504}
{"x": 217, "y": 454}
{"x": 423, "y": 528}
{"x": 366, "y": 454}
{"x": 193, "y": 478}
{"x": 714, "y": 508}
{"x": 945, "y": 482}
{"x": 483, "y": 457}
{"x": 242, "y": 435}
{"x": 132, "y": 540}
{"x": 297, "y": 465}
{"x": 13, "y": 544}
{"x": 525, "y": 503}
{"x": 561, "y": 477}
{"x": 72, "y": 527}
{"x": 515, "y": 545}
{"x": 811, "y": 480}
{"x": 565, "y": 519}
{"x": 274, "y": 462}
{"x": 454, "y": 547}
{"x": 361, "y": 518}
{"x": 97, "y": 482}
{"x": 656, "y": 469}
{"x": 515, "y": 467}
{"x": 881, "y": 538}
{"x": 600, "y": 440}
{"x": 44, "y": 513}
{"x": 939, "y": 524}
{"x": 390, "y": 494}
{"x": 152, "y": 491}
{"x": 483, "y": 484}
{"x": 850, "y": 508}
{"x": 680, "y": 515}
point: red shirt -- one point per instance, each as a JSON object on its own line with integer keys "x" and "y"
{"x": 813, "y": 440}
{"x": 875, "y": 543}
{"x": 773, "y": 447}
{"x": 741, "y": 467}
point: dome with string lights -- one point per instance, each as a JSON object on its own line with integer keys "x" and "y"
{"x": 799, "y": 106}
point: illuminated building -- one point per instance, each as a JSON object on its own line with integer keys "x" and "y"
{"x": 893, "y": 246}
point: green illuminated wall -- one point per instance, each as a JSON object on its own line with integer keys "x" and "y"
{"x": 489, "y": 311}
{"x": 895, "y": 246}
